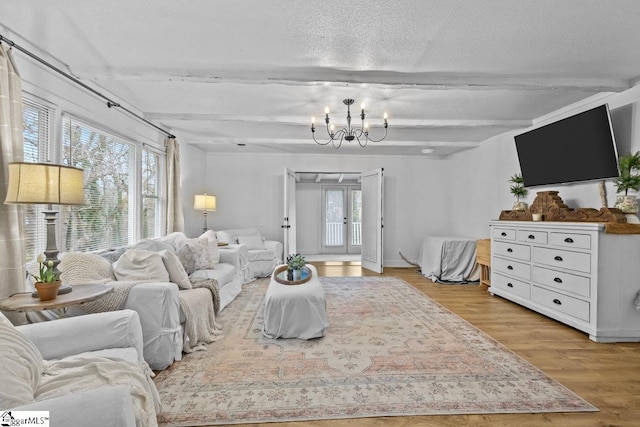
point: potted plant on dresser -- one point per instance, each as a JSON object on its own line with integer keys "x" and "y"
{"x": 519, "y": 192}
{"x": 629, "y": 179}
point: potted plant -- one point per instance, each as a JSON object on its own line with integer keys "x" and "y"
{"x": 48, "y": 281}
{"x": 295, "y": 263}
{"x": 629, "y": 179}
{"x": 518, "y": 190}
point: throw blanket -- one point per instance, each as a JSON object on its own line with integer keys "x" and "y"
{"x": 88, "y": 371}
{"x": 199, "y": 306}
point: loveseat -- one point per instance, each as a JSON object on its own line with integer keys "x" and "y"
{"x": 262, "y": 255}
{"x": 84, "y": 371}
{"x": 165, "y": 282}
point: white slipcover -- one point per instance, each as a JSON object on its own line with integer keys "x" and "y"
{"x": 295, "y": 311}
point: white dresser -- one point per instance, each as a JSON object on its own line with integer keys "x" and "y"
{"x": 573, "y": 272}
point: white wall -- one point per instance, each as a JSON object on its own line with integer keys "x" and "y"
{"x": 249, "y": 190}
{"x": 481, "y": 187}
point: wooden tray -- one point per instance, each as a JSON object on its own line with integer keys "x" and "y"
{"x": 280, "y": 276}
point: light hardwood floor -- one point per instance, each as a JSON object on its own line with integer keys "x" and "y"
{"x": 606, "y": 375}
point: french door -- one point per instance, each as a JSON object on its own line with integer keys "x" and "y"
{"x": 341, "y": 219}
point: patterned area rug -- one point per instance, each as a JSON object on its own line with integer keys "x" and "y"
{"x": 389, "y": 350}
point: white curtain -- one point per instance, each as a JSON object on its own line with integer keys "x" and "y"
{"x": 175, "y": 216}
{"x": 12, "y": 243}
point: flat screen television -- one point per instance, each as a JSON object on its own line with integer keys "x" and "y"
{"x": 577, "y": 148}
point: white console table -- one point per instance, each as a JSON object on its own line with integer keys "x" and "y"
{"x": 573, "y": 272}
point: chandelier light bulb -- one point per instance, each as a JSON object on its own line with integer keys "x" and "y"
{"x": 326, "y": 110}
{"x": 362, "y": 106}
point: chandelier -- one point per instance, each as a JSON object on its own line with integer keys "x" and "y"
{"x": 360, "y": 134}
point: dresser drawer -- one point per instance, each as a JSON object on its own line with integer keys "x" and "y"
{"x": 578, "y": 261}
{"x": 567, "y": 282}
{"x": 571, "y": 240}
{"x": 512, "y": 268}
{"x": 531, "y": 236}
{"x": 512, "y": 250}
{"x": 513, "y": 286}
{"x": 573, "y": 307}
{"x": 503, "y": 233}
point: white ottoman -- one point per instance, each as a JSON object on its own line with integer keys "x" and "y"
{"x": 295, "y": 311}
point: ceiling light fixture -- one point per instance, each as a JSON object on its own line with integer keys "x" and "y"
{"x": 428, "y": 150}
{"x": 360, "y": 134}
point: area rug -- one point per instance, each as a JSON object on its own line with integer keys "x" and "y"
{"x": 389, "y": 351}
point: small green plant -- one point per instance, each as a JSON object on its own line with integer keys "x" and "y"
{"x": 47, "y": 273}
{"x": 628, "y": 180}
{"x": 517, "y": 187}
{"x": 296, "y": 262}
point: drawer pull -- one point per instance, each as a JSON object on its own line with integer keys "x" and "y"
{"x": 510, "y": 285}
{"x": 503, "y": 234}
{"x": 557, "y": 258}
{"x": 509, "y": 250}
{"x": 557, "y": 301}
{"x": 568, "y": 240}
{"x": 509, "y": 267}
{"x": 532, "y": 237}
{"x": 557, "y": 280}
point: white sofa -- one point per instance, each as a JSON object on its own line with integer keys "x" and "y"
{"x": 263, "y": 255}
{"x": 84, "y": 371}
{"x": 158, "y": 301}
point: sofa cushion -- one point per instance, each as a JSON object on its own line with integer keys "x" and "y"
{"x": 21, "y": 366}
{"x": 223, "y": 273}
{"x": 138, "y": 264}
{"x": 177, "y": 273}
{"x": 251, "y": 242}
{"x": 176, "y": 239}
{"x": 79, "y": 268}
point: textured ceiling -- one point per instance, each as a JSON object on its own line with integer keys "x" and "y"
{"x": 450, "y": 74}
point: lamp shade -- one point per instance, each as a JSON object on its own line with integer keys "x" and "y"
{"x": 44, "y": 183}
{"x": 204, "y": 202}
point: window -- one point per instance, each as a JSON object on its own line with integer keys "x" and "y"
{"x": 123, "y": 184}
{"x": 150, "y": 194}
{"x": 109, "y": 185}
{"x": 36, "y": 146}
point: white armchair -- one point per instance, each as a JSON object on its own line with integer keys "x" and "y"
{"x": 263, "y": 255}
{"x": 53, "y": 366}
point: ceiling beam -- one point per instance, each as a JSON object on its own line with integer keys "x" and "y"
{"x": 319, "y": 76}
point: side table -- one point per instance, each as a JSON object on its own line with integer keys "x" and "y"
{"x": 79, "y": 295}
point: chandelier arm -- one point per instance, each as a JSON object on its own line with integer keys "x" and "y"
{"x": 377, "y": 140}
{"x": 358, "y": 135}
{"x": 339, "y": 143}
{"x": 318, "y": 142}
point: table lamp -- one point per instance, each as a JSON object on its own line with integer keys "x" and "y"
{"x": 204, "y": 202}
{"x": 49, "y": 184}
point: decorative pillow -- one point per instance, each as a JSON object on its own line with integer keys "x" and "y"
{"x": 210, "y": 235}
{"x": 154, "y": 245}
{"x": 177, "y": 273}
{"x": 175, "y": 239}
{"x": 79, "y": 268}
{"x": 138, "y": 264}
{"x": 251, "y": 242}
{"x": 201, "y": 255}
{"x": 112, "y": 255}
{"x": 224, "y": 237}
{"x": 185, "y": 255}
{"x": 21, "y": 366}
